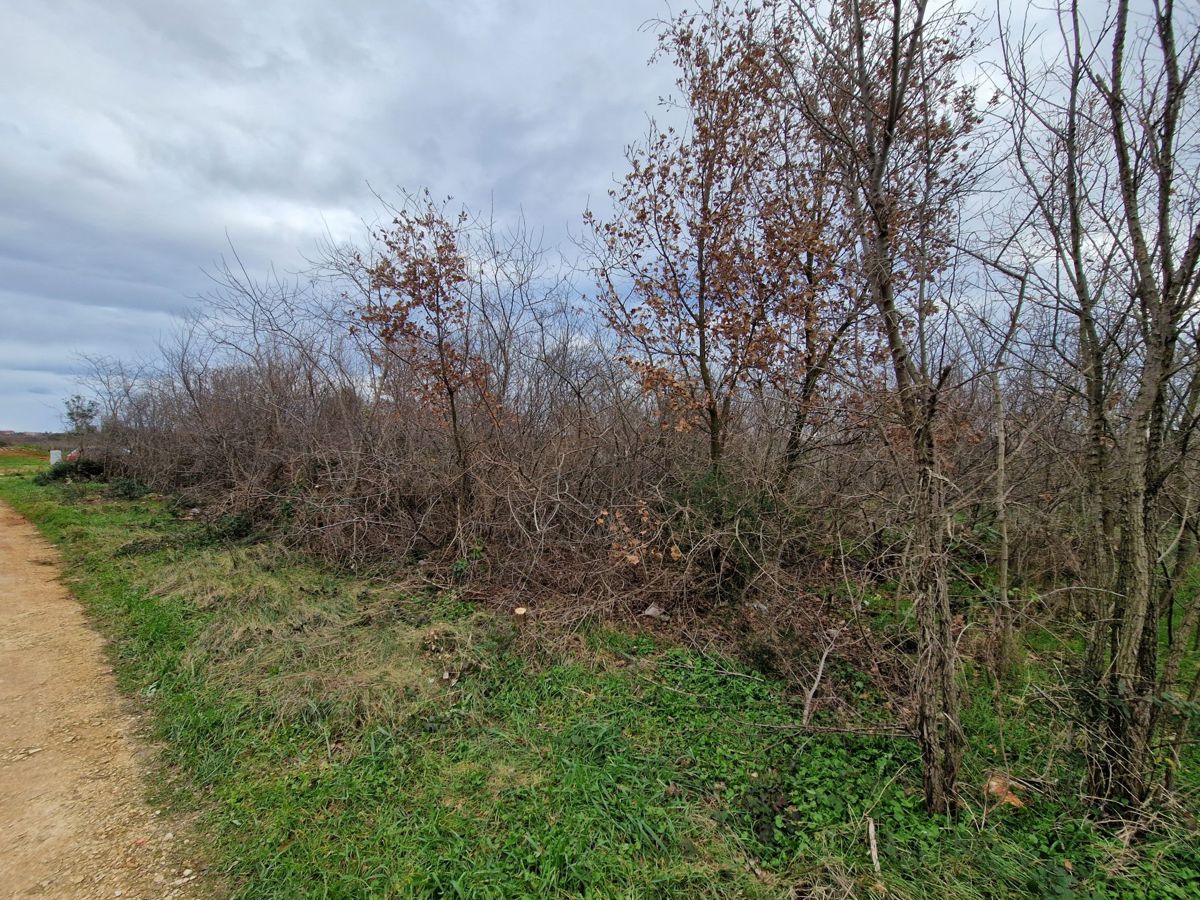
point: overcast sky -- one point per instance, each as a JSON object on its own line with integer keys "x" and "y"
{"x": 136, "y": 133}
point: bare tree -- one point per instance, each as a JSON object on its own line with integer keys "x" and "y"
{"x": 878, "y": 85}
{"x": 1106, "y": 142}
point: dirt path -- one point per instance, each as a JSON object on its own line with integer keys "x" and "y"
{"x": 73, "y": 819}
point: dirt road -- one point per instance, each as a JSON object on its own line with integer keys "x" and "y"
{"x": 74, "y": 822}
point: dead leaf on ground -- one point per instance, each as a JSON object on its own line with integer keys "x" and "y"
{"x": 1000, "y": 787}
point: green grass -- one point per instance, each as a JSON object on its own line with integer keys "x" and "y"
{"x": 350, "y": 738}
{"x": 16, "y": 461}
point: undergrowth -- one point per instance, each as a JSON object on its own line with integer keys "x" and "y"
{"x": 344, "y": 737}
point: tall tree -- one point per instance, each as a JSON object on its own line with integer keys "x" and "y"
{"x": 877, "y": 84}
{"x": 1108, "y": 141}
{"x": 689, "y": 284}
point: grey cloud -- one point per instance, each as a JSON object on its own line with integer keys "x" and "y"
{"x": 138, "y": 133}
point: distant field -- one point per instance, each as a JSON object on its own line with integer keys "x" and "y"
{"x": 22, "y": 459}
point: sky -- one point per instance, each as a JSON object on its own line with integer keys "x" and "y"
{"x": 140, "y": 138}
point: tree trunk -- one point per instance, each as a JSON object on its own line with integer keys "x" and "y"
{"x": 1121, "y": 763}
{"x": 1003, "y": 649}
{"x": 938, "y": 731}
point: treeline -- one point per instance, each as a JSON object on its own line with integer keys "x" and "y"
{"x": 905, "y": 296}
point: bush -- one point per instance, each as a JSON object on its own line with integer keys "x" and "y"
{"x": 127, "y": 489}
{"x": 72, "y": 470}
{"x": 235, "y": 527}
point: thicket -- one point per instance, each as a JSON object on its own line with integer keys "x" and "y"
{"x": 890, "y": 311}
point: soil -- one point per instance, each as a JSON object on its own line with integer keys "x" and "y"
{"x": 74, "y": 818}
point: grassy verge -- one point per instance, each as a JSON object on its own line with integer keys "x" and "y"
{"x": 346, "y": 738}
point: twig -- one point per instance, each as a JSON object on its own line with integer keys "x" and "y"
{"x": 812, "y": 692}
{"x": 874, "y": 846}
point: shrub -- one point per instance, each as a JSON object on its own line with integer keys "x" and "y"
{"x": 127, "y": 489}
{"x": 72, "y": 470}
{"x": 233, "y": 527}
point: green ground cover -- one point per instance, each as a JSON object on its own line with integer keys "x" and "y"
{"x": 345, "y": 737}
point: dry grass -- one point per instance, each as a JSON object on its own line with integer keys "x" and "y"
{"x": 306, "y": 646}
